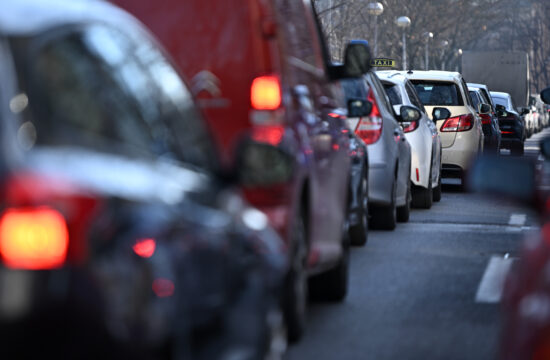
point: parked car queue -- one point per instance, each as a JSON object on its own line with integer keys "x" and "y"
{"x": 144, "y": 215}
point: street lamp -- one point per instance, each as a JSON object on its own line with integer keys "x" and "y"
{"x": 443, "y": 44}
{"x": 459, "y": 60}
{"x": 375, "y": 9}
{"x": 404, "y": 22}
{"x": 428, "y": 36}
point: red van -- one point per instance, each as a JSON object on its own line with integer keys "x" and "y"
{"x": 261, "y": 73}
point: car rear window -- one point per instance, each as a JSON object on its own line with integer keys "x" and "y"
{"x": 355, "y": 88}
{"x": 393, "y": 94}
{"x": 438, "y": 93}
{"x": 501, "y": 101}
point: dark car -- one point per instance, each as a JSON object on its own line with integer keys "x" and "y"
{"x": 489, "y": 120}
{"x": 263, "y": 74}
{"x": 117, "y": 239}
{"x": 358, "y": 211}
{"x": 512, "y": 125}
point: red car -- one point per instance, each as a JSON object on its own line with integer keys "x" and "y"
{"x": 262, "y": 75}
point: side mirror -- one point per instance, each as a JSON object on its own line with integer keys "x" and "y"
{"x": 359, "y": 108}
{"x": 409, "y": 114}
{"x": 484, "y": 108}
{"x": 545, "y": 95}
{"x": 357, "y": 58}
{"x": 524, "y": 111}
{"x": 440, "y": 113}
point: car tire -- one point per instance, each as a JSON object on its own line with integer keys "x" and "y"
{"x": 422, "y": 198}
{"x": 296, "y": 284}
{"x": 333, "y": 284}
{"x": 403, "y": 212}
{"x": 359, "y": 233}
{"x": 385, "y": 217}
{"x": 437, "y": 190}
{"x": 518, "y": 150}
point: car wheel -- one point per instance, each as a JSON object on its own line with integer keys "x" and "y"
{"x": 296, "y": 294}
{"x": 333, "y": 285}
{"x": 359, "y": 233}
{"x": 422, "y": 198}
{"x": 437, "y": 190}
{"x": 403, "y": 212}
{"x": 518, "y": 150}
{"x": 385, "y": 217}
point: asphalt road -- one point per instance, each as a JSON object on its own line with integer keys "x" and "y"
{"x": 417, "y": 292}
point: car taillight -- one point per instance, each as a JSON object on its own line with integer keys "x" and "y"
{"x": 410, "y": 126}
{"x": 266, "y": 114}
{"x": 33, "y": 238}
{"x": 485, "y": 119}
{"x": 265, "y": 93}
{"x": 369, "y": 128}
{"x": 458, "y": 123}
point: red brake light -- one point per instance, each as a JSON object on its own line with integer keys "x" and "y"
{"x": 265, "y": 93}
{"x": 369, "y": 128}
{"x": 408, "y": 127}
{"x": 485, "y": 119}
{"x": 458, "y": 123}
{"x": 33, "y": 238}
{"x": 145, "y": 247}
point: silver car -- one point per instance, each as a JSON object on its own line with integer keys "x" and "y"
{"x": 422, "y": 136}
{"x": 389, "y": 154}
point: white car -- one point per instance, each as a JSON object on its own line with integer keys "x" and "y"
{"x": 461, "y": 134}
{"x": 423, "y": 137}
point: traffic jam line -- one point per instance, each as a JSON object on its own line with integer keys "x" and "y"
{"x": 492, "y": 283}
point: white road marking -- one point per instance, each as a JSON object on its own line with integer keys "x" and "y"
{"x": 517, "y": 220}
{"x": 492, "y": 283}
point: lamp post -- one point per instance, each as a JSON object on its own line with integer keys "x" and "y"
{"x": 443, "y": 44}
{"x": 404, "y": 22}
{"x": 459, "y": 60}
{"x": 375, "y": 9}
{"x": 428, "y": 36}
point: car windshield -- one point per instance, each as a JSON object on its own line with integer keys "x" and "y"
{"x": 434, "y": 93}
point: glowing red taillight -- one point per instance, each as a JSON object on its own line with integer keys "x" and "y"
{"x": 369, "y": 128}
{"x": 145, "y": 247}
{"x": 485, "y": 119}
{"x": 33, "y": 238}
{"x": 265, "y": 93}
{"x": 408, "y": 127}
{"x": 458, "y": 123}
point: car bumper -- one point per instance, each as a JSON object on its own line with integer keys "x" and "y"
{"x": 459, "y": 156}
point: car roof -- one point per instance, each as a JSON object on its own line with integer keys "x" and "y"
{"x": 474, "y": 89}
{"x": 478, "y": 86}
{"x": 40, "y": 15}
{"x": 393, "y": 76}
{"x": 437, "y": 75}
{"x": 500, "y": 94}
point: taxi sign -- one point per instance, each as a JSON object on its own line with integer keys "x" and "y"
{"x": 382, "y": 62}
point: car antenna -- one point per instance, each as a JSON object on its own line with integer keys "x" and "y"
{"x": 409, "y": 72}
